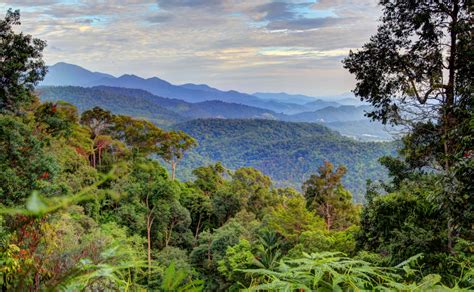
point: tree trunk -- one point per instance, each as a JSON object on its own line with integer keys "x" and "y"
{"x": 328, "y": 216}
{"x": 148, "y": 231}
{"x": 173, "y": 169}
{"x": 100, "y": 155}
{"x": 169, "y": 233}
{"x": 93, "y": 158}
{"x": 198, "y": 226}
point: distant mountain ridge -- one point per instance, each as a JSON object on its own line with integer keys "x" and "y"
{"x": 142, "y": 104}
{"x": 342, "y": 113}
{"x": 64, "y": 74}
{"x": 310, "y": 101}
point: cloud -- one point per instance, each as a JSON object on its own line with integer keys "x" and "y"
{"x": 31, "y": 2}
{"x": 159, "y": 18}
{"x": 306, "y": 23}
{"x": 245, "y": 45}
{"x": 167, "y": 4}
{"x": 275, "y": 11}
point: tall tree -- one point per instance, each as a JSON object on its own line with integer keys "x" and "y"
{"x": 326, "y": 195}
{"x": 143, "y": 137}
{"x": 291, "y": 218}
{"x": 173, "y": 147}
{"x": 21, "y": 64}
{"x": 209, "y": 178}
{"x": 97, "y": 120}
{"x": 417, "y": 70}
{"x": 148, "y": 183}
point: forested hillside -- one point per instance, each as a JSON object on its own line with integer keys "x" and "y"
{"x": 288, "y": 152}
{"x": 87, "y": 202}
{"x": 348, "y": 120}
{"x": 88, "y": 98}
{"x": 140, "y": 103}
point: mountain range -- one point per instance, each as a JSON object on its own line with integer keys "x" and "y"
{"x": 166, "y": 103}
{"x": 64, "y": 74}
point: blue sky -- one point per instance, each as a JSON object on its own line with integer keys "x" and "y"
{"x": 259, "y": 45}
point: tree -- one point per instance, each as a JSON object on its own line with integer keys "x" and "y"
{"x": 143, "y": 137}
{"x": 326, "y": 195}
{"x": 101, "y": 125}
{"x": 199, "y": 206}
{"x": 252, "y": 188}
{"x": 209, "y": 178}
{"x": 24, "y": 163}
{"x": 21, "y": 65}
{"x": 417, "y": 70}
{"x": 173, "y": 147}
{"x": 174, "y": 220}
{"x": 291, "y": 218}
{"x": 269, "y": 249}
{"x": 148, "y": 183}
{"x": 97, "y": 120}
{"x": 56, "y": 119}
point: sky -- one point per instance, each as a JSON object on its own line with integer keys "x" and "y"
{"x": 259, "y": 45}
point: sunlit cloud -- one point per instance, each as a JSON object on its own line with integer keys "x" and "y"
{"x": 303, "y": 52}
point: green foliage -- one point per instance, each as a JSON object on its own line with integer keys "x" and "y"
{"x": 320, "y": 240}
{"x": 268, "y": 249}
{"x": 328, "y": 271}
{"x": 237, "y": 258}
{"x": 209, "y": 178}
{"x": 56, "y": 119}
{"x": 287, "y": 152}
{"x": 179, "y": 280}
{"x": 211, "y": 249}
{"x": 291, "y": 219}
{"x": 21, "y": 62}
{"x": 173, "y": 147}
{"x": 23, "y": 161}
{"x": 326, "y": 196}
{"x": 403, "y": 223}
{"x": 173, "y": 255}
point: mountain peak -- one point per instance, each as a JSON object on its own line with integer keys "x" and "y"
{"x": 63, "y": 73}
{"x": 130, "y": 76}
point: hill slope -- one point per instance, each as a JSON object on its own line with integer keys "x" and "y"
{"x": 68, "y": 74}
{"x": 87, "y": 98}
{"x": 288, "y": 152}
{"x": 140, "y": 103}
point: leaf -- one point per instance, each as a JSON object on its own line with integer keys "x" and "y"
{"x": 429, "y": 281}
{"x": 35, "y": 204}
